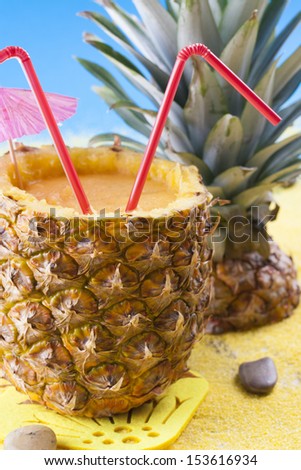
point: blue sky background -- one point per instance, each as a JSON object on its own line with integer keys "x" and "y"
{"x": 51, "y": 32}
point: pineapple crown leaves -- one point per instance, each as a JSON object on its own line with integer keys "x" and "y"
{"x": 209, "y": 125}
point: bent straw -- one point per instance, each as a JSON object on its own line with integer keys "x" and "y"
{"x": 20, "y": 54}
{"x": 170, "y": 92}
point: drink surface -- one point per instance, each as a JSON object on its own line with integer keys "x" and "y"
{"x": 109, "y": 191}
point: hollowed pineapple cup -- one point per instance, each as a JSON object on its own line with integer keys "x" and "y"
{"x": 100, "y": 314}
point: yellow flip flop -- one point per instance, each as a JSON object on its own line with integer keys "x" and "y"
{"x": 155, "y": 425}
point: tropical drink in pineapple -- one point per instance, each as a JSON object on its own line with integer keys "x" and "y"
{"x": 98, "y": 314}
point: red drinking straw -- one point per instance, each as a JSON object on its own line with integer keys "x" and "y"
{"x": 170, "y": 92}
{"x": 16, "y": 52}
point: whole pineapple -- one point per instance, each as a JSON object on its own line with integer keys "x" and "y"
{"x": 236, "y": 151}
{"x": 99, "y": 314}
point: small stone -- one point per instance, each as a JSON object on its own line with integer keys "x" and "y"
{"x": 34, "y": 437}
{"x": 258, "y": 376}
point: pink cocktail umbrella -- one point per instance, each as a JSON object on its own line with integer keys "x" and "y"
{"x": 16, "y": 52}
{"x": 20, "y": 115}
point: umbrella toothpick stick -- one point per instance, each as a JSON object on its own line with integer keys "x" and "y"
{"x": 227, "y": 74}
{"x": 22, "y": 56}
{"x": 15, "y": 163}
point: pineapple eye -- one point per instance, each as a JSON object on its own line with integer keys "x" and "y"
{"x": 41, "y": 231}
{"x": 85, "y": 240}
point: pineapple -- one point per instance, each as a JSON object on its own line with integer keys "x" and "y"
{"x": 238, "y": 153}
{"x": 99, "y": 314}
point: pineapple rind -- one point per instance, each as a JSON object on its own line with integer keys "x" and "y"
{"x": 91, "y": 322}
{"x": 253, "y": 291}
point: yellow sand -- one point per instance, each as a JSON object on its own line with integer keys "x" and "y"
{"x": 109, "y": 191}
{"x": 229, "y": 418}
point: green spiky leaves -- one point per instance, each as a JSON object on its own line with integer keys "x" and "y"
{"x": 238, "y": 153}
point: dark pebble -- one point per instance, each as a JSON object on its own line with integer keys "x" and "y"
{"x": 258, "y": 376}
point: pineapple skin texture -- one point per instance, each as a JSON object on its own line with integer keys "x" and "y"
{"x": 252, "y": 291}
{"x": 93, "y": 323}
